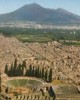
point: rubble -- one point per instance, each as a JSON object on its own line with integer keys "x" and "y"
{"x": 63, "y": 59}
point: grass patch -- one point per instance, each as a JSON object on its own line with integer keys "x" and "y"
{"x": 69, "y": 43}
{"x": 33, "y": 38}
{"x": 23, "y": 83}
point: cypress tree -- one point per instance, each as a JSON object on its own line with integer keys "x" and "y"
{"x": 6, "y": 69}
{"x": 33, "y": 71}
{"x": 46, "y": 75}
{"x": 26, "y": 74}
{"x": 11, "y": 70}
{"x": 15, "y": 63}
{"x": 20, "y": 70}
{"x": 15, "y": 67}
{"x": 23, "y": 66}
{"x": 30, "y": 70}
{"x": 42, "y": 73}
{"x": 38, "y": 72}
{"x": 50, "y": 75}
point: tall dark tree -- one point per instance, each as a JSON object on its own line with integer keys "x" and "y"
{"x": 46, "y": 75}
{"x": 38, "y": 72}
{"x": 15, "y": 63}
{"x": 6, "y": 69}
{"x": 11, "y": 71}
{"x": 30, "y": 70}
{"x": 26, "y": 73}
{"x": 20, "y": 70}
{"x": 33, "y": 71}
{"x": 23, "y": 66}
{"x": 15, "y": 67}
{"x": 42, "y": 73}
{"x": 50, "y": 75}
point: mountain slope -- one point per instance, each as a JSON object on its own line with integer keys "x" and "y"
{"x": 34, "y": 12}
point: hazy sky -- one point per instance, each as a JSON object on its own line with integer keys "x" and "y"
{"x": 70, "y": 5}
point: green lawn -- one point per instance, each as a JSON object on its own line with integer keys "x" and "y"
{"x": 34, "y": 82}
{"x": 23, "y": 82}
{"x": 33, "y": 38}
{"x": 72, "y": 43}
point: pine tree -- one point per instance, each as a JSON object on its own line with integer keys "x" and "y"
{"x": 50, "y": 75}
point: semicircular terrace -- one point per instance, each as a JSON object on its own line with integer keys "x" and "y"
{"x": 24, "y": 82}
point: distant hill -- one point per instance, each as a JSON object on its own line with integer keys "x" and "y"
{"x": 35, "y": 12}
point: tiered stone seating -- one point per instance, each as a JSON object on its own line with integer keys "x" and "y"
{"x": 36, "y": 96}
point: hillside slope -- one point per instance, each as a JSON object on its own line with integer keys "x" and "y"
{"x": 64, "y": 60}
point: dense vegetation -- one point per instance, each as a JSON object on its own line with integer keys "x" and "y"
{"x": 32, "y": 71}
{"x": 42, "y": 35}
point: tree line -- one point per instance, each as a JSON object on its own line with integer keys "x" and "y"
{"x": 54, "y": 34}
{"x": 16, "y": 69}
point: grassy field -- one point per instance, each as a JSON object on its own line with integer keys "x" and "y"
{"x": 70, "y": 42}
{"x": 23, "y": 82}
{"x": 45, "y": 39}
{"x": 33, "y": 38}
{"x": 42, "y": 35}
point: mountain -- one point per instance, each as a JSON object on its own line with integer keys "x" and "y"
{"x": 37, "y": 13}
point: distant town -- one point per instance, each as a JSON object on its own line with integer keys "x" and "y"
{"x": 38, "y": 26}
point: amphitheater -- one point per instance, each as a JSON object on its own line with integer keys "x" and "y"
{"x": 27, "y": 88}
